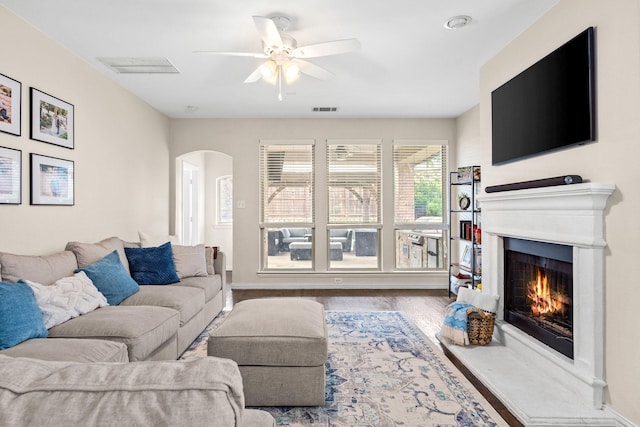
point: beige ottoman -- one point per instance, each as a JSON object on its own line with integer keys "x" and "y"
{"x": 280, "y": 346}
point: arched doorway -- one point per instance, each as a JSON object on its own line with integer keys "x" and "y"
{"x": 212, "y": 202}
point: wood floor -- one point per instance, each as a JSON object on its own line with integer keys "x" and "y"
{"x": 424, "y": 307}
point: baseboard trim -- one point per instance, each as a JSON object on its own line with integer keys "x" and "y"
{"x": 343, "y": 285}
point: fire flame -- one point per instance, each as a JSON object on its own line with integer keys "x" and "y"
{"x": 540, "y": 296}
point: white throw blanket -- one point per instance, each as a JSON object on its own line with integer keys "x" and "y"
{"x": 67, "y": 298}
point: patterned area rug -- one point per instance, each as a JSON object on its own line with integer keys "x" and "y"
{"x": 383, "y": 371}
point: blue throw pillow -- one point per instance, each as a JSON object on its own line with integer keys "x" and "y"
{"x": 152, "y": 266}
{"x": 111, "y": 279}
{"x": 20, "y": 317}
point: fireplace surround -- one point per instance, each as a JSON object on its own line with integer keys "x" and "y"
{"x": 538, "y": 384}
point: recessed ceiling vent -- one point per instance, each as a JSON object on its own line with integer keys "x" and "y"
{"x": 140, "y": 65}
{"x": 325, "y": 109}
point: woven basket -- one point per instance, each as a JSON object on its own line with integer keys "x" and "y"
{"x": 480, "y": 326}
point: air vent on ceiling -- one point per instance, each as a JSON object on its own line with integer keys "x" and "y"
{"x": 325, "y": 109}
{"x": 140, "y": 65}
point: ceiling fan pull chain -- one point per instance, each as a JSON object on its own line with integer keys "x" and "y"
{"x": 279, "y": 82}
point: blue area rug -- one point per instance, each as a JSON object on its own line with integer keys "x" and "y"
{"x": 383, "y": 371}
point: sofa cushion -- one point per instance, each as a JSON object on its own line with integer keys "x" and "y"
{"x": 211, "y": 285}
{"x": 298, "y": 232}
{"x": 70, "y": 350}
{"x": 153, "y": 265}
{"x": 142, "y": 328}
{"x": 42, "y": 269}
{"x": 111, "y": 279}
{"x": 202, "y": 392}
{"x": 187, "y": 301}
{"x": 20, "y": 317}
{"x": 148, "y": 240}
{"x": 67, "y": 298}
{"x": 88, "y": 253}
{"x": 189, "y": 260}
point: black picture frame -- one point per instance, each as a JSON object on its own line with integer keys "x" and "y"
{"x": 52, "y": 181}
{"x": 10, "y": 176}
{"x": 52, "y": 119}
{"x": 10, "y": 105}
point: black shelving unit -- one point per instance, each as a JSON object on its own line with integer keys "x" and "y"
{"x": 465, "y": 248}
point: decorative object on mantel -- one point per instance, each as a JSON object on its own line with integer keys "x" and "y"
{"x": 536, "y": 183}
{"x": 10, "y": 105}
{"x": 10, "y": 176}
{"x": 51, "y": 119}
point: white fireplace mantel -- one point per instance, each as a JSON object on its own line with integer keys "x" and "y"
{"x": 539, "y": 385}
{"x": 567, "y": 214}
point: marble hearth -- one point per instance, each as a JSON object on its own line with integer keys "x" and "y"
{"x": 540, "y": 386}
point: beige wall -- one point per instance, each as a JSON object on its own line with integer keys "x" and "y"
{"x": 121, "y": 151}
{"x": 612, "y": 159}
{"x": 239, "y": 139}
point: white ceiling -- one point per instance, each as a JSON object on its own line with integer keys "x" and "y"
{"x": 409, "y": 65}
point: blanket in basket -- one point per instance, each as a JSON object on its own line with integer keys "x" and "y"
{"x": 454, "y": 326}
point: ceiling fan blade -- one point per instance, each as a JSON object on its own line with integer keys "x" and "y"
{"x": 254, "y": 77}
{"x": 313, "y": 70}
{"x": 327, "y": 48}
{"x": 248, "y": 54}
{"x": 268, "y": 31}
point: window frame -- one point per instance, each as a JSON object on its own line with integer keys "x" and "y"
{"x": 439, "y": 227}
{"x": 219, "y": 200}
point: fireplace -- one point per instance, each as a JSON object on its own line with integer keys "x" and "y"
{"x": 538, "y": 383}
{"x": 538, "y": 291}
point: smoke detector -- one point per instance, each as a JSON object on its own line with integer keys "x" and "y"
{"x": 457, "y": 22}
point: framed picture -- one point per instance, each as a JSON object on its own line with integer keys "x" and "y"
{"x": 464, "y": 174}
{"x": 10, "y": 105}
{"x": 51, "y": 119}
{"x": 51, "y": 181}
{"x": 10, "y": 176}
{"x": 465, "y": 259}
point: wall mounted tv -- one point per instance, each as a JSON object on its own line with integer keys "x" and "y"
{"x": 550, "y": 105}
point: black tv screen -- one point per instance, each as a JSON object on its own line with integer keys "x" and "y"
{"x": 550, "y": 105}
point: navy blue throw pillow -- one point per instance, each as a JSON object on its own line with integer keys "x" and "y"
{"x": 20, "y": 316}
{"x": 152, "y": 266}
{"x": 111, "y": 279}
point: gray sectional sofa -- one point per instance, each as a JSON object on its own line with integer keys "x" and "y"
{"x": 155, "y": 323}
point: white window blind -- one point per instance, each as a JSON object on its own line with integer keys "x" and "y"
{"x": 354, "y": 176}
{"x": 419, "y": 174}
{"x": 286, "y": 182}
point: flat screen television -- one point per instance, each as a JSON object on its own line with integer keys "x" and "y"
{"x": 548, "y": 106}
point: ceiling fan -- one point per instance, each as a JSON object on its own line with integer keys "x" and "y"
{"x": 284, "y": 59}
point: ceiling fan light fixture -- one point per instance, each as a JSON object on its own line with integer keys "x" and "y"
{"x": 291, "y": 71}
{"x": 268, "y": 70}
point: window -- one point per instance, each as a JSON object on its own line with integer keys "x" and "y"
{"x": 225, "y": 199}
{"x": 354, "y": 210}
{"x": 287, "y": 204}
{"x": 351, "y": 214}
{"x": 419, "y": 176}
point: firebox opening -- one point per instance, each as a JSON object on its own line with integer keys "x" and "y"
{"x": 539, "y": 291}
